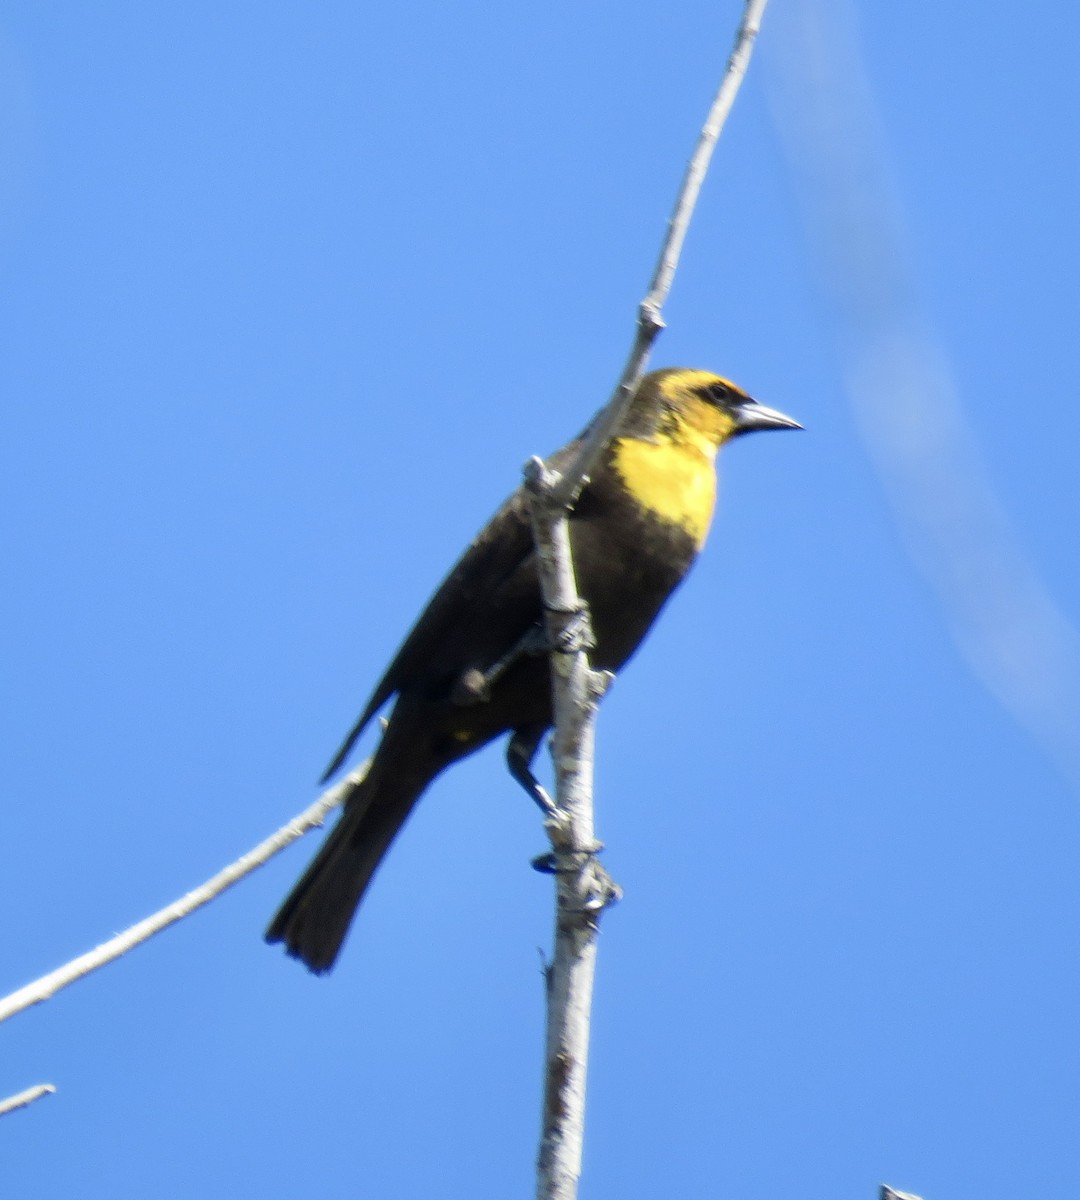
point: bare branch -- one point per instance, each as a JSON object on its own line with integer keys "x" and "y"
{"x": 650, "y": 319}
{"x": 48, "y": 985}
{"x": 24, "y": 1098}
{"x": 583, "y": 888}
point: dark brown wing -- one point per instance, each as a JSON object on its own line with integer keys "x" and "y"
{"x": 479, "y": 609}
{"x": 431, "y": 648}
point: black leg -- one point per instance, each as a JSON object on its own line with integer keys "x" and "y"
{"x": 520, "y": 752}
{"x": 474, "y": 686}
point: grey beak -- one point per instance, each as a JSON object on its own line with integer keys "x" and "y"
{"x": 750, "y": 416}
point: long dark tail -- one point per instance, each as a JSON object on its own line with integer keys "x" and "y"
{"x": 316, "y": 916}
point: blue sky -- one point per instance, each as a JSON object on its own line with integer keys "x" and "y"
{"x": 289, "y": 293}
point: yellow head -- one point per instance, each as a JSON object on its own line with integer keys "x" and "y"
{"x": 665, "y": 450}
{"x": 697, "y": 408}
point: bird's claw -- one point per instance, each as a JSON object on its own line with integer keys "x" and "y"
{"x": 555, "y": 862}
{"x": 576, "y": 632}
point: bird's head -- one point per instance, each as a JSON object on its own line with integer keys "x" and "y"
{"x": 698, "y": 407}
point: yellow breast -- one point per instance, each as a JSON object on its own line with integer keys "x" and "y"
{"x": 674, "y": 480}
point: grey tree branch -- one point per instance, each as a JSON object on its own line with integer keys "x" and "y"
{"x": 48, "y": 985}
{"x": 650, "y": 320}
{"x": 22, "y": 1099}
{"x": 583, "y": 888}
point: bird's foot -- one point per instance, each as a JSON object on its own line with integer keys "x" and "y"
{"x": 575, "y": 630}
{"x": 602, "y": 890}
{"x": 564, "y": 862}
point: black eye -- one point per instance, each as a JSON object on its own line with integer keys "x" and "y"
{"x": 719, "y": 393}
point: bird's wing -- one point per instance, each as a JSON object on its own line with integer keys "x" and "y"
{"x": 430, "y": 650}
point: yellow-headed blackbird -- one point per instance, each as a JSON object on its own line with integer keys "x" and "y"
{"x": 473, "y": 666}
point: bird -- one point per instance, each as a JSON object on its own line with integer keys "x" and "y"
{"x": 475, "y": 666}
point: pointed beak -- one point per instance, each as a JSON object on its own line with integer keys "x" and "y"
{"x": 751, "y": 415}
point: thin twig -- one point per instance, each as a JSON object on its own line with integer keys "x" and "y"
{"x": 22, "y": 1099}
{"x": 48, "y": 985}
{"x": 583, "y": 889}
{"x": 650, "y": 319}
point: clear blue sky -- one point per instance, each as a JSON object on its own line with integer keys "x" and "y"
{"x": 289, "y": 292}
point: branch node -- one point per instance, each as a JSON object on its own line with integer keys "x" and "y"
{"x": 540, "y": 480}
{"x": 603, "y": 891}
{"x": 599, "y": 683}
{"x": 649, "y": 319}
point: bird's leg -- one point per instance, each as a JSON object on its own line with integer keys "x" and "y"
{"x": 520, "y": 752}
{"x": 474, "y": 685}
{"x": 548, "y": 864}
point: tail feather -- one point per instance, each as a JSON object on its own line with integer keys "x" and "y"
{"x": 317, "y": 913}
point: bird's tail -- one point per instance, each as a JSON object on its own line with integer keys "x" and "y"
{"x": 317, "y": 913}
